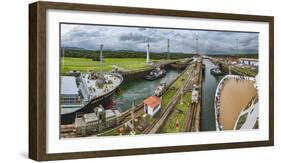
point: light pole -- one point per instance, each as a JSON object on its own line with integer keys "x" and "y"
{"x": 237, "y": 50}
{"x": 147, "y": 52}
{"x": 197, "y": 51}
{"x": 62, "y": 58}
{"x": 101, "y": 60}
{"x": 168, "y": 48}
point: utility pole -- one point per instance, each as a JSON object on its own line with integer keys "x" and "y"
{"x": 133, "y": 119}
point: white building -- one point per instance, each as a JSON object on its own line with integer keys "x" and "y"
{"x": 69, "y": 90}
{"x": 249, "y": 61}
{"x": 152, "y": 105}
{"x": 147, "y": 54}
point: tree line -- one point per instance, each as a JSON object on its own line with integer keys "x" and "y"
{"x": 82, "y": 53}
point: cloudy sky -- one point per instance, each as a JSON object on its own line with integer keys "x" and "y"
{"x": 135, "y": 38}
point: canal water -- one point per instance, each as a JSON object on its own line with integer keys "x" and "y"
{"x": 209, "y": 87}
{"x": 138, "y": 90}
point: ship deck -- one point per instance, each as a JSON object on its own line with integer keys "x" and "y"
{"x": 90, "y": 91}
{"x": 234, "y": 96}
{"x": 96, "y": 92}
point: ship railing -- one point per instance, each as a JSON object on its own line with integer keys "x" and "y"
{"x": 116, "y": 74}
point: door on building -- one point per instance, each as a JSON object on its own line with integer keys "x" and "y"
{"x": 145, "y": 108}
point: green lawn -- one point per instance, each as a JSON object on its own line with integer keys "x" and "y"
{"x": 169, "y": 94}
{"x": 246, "y": 71}
{"x": 179, "y": 115}
{"x": 181, "y": 109}
{"x": 180, "y": 81}
{"x": 86, "y": 64}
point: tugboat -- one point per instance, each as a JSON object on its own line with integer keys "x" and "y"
{"x": 155, "y": 74}
{"x": 160, "y": 88}
{"x": 216, "y": 72}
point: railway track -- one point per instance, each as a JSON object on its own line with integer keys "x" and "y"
{"x": 190, "y": 123}
{"x": 158, "y": 123}
{"x": 127, "y": 115}
{"x": 191, "y": 117}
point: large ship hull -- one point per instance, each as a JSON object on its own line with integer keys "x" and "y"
{"x": 69, "y": 117}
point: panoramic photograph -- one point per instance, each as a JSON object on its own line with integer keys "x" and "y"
{"x": 126, "y": 80}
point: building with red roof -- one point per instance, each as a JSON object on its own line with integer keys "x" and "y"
{"x": 152, "y": 105}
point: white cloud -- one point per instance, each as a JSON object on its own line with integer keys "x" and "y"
{"x": 135, "y": 38}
